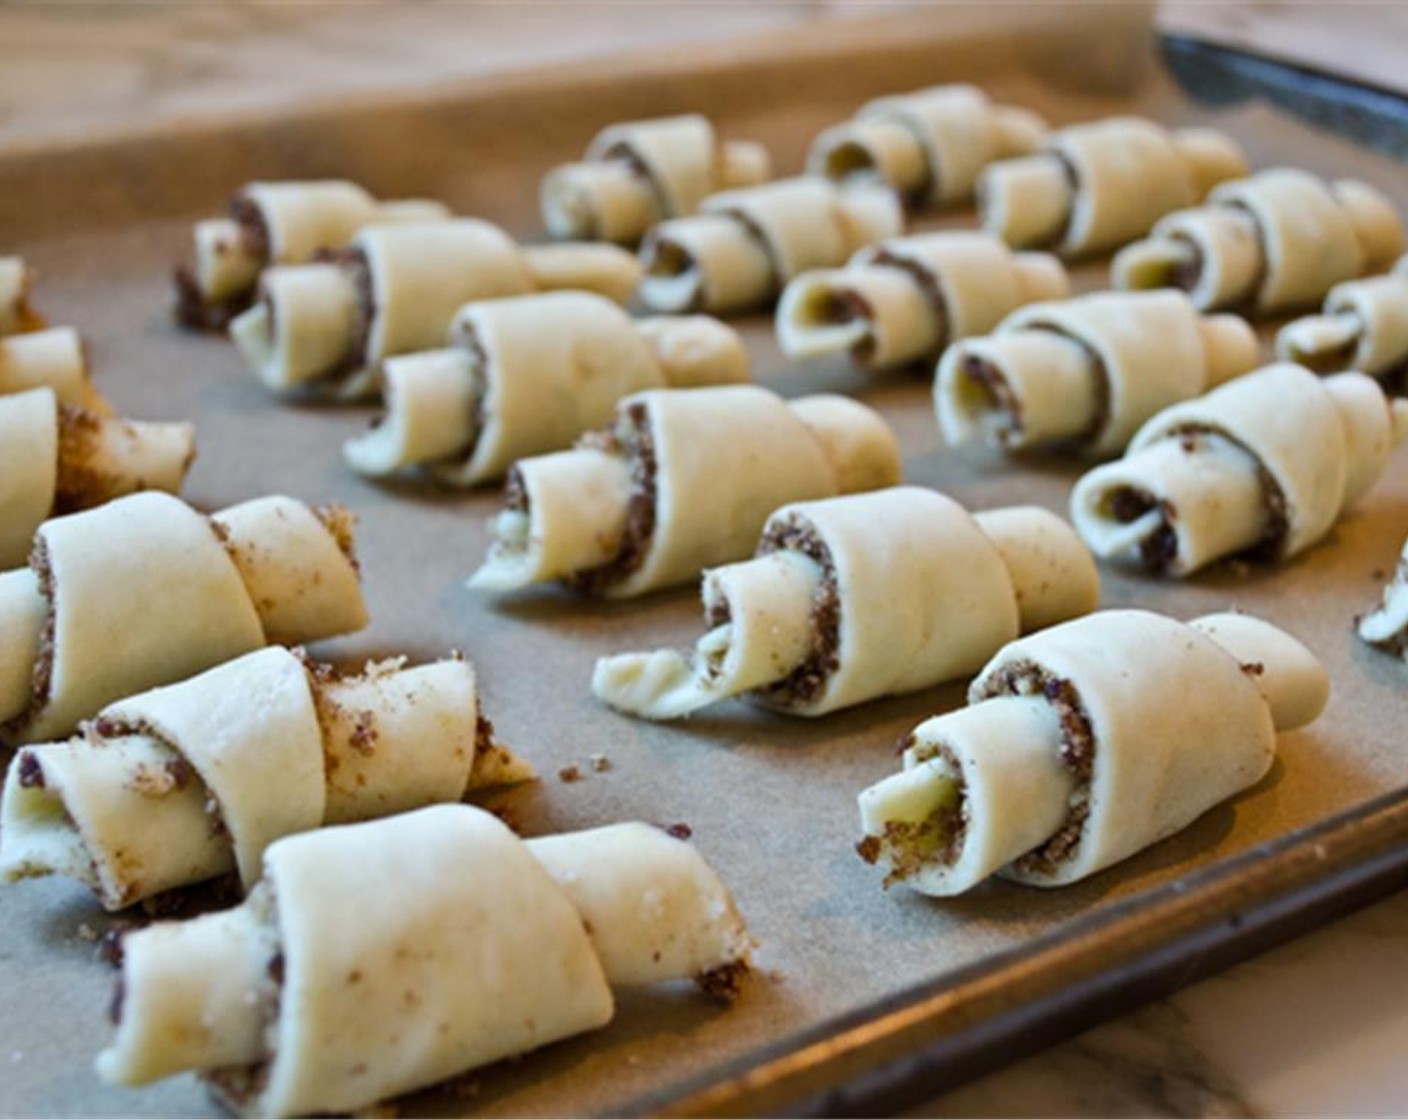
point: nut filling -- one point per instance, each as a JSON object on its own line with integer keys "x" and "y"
{"x": 1027, "y": 678}
{"x": 807, "y": 682}
{"x": 632, "y": 439}
{"x": 193, "y": 307}
{"x": 910, "y": 847}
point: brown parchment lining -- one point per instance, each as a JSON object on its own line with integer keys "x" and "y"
{"x": 771, "y": 801}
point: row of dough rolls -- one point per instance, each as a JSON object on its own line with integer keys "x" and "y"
{"x": 192, "y": 780}
{"x": 853, "y": 598}
{"x": 479, "y": 946}
{"x": 323, "y": 329}
{"x": 176, "y": 591}
{"x": 1086, "y": 742}
{"x": 683, "y": 479}
{"x": 637, "y": 173}
{"x": 1263, "y": 465}
{"x": 529, "y": 374}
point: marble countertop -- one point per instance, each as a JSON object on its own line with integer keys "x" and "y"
{"x": 1314, "y": 1027}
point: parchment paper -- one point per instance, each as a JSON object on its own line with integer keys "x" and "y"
{"x": 771, "y": 801}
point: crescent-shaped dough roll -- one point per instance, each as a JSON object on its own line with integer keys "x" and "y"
{"x": 190, "y": 781}
{"x": 1363, "y": 326}
{"x": 905, "y": 300}
{"x": 274, "y": 223}
{"x": 530, "y": 374}
{"x": 1262, "y": 465}
{"x": 16, "y": 314}
{"x": 1086, "y": 743}
{"x": 929, "y": 145}
{"x": 1085, "y": 373}
{"x": 744, "y": 245}
{"x": 480, "y": 946}
{"x": 324, "y": 329}
{"x": 637, "y": 173}
{"x": 684, "y": 479}
{"x": 53, "y": 358}
{"x": 1097, "y": 186}
{"x": 853, "y": 598}
{"x": 57, "y": 458}
{"x": 144, "y": 591}
{"x": 1278, "y": 240}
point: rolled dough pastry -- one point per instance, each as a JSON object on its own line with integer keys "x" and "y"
{"x": 16, "y": 314}
{"x": 1387, "y": 625}
{"x": 744, "y": 245}
{"x": 638, "y": 173}
{"x": 529, "y": 374}
{"x": 1085, "y": 373}
{"x": 145, "y": 591}
{"x": 324, "y": 329}
{"x": 305, "y": 999}
{"x": 1086, "y": 743}
{"x": 905, "y": 300}
{"x": 929, "y": 145}
{"x": 1278, "y": 240}
{"x": 1097, "y": 186}
{"x": 1263, "y": 465}
{"x": 58, "y": 458}
{"x": 1363, "y": 326}
{"x": 52, "y": 358}
{"x": 192, "y": 780}
{"x": 275, "y": 223}
{"x": 853, "y": 598}
{"x": 684, "y": 479}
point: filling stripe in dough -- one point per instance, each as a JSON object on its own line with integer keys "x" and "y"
{"x": 16, "y": 314}
{"x": 853, "y": 598}
{"x": 684, "y": 479}
{"x": 59, "y": 458}
{"x": 190, "y": 781}
{"x": 929, "y": 145}
{"x": 1263, "y": 465}
{"x": 1085, "y": 373}
{"x": 1086, "y": 743}
{"x": 745, "y": 245}
{"x": 1094, "y": 187}
{"x": 528, "y": 375}
{"x": 323, "y": 329}
{"x": 276, "y": 223}
{"x": 1276, "y": 241}
{"x": 178, "y": 591}
{"x": 1363, "y": 326}
{"x": 638, "y": 173}
{"x": 480, "y": 946}
{"x": 905, "y": 300}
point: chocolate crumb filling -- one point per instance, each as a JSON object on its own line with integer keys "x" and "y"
{"x": 1186, "y": 274}
{"x": 354, "y": 263}
{"x": 1159, "y": 549}
{"x": 846, "y": 306}
{"x": 911, "y": 846}
{"x": 997, "y": 395}
{"x": 633, "y": 438}
{"x": 341, "y": 523}
{"x": 31, "y": 773}
{"x": 679, "y": 830}
{"x": 193, "y": 308}
{"x": 724, "y": 983}
{"x": 467, "y": 338}
{"x": 81, "y": 481}
{"x": 41, "y": 677}
{"x": 1077, "y": 753}
{"x": 807, "y": 682}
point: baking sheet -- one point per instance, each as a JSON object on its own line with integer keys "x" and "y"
{"x": 770, "y": 800}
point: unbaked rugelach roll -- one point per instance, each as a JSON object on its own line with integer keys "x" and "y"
{"x": 324, "y": 329}
{"x": 276, "y": 223}
{"x": 743, "y": 246}
{"x": 850, "y": 599}
{"x": 145, "y": 591}
{"x": 1263, "y": 466}
{"x": 308, "y": 1000}
{"x": 1085, "y": 373}
{"x": 1386, "y": 626}
{"x": 1363, "y": 326}
{"x": 191, "y": 781}
{"x": 1097, "y": 186}
{"x": 683, "y": 479}
{"x": 1086, "y": 743}
{"x": 51, "y": 358}
{"x": 1278, "y": 240}
{"x": 530, "y": 374}
{"x": 16, "y": 314}
{"x": 58, "y": 458}
{"x": 637, "y": 173}
{"x": 905, "y": 300}
{"x": 929, "y": 145}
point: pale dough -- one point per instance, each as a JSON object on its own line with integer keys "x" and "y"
{"x": 1363, "y": 326}
{"x": 857, "y": 597}
{"x": 1085, "y": 743}
{"x": 54, "y": 359}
